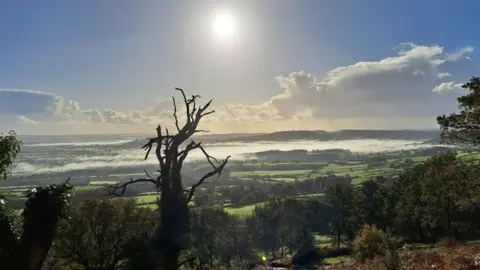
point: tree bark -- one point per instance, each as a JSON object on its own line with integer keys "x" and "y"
{"x": 170, "y": 260}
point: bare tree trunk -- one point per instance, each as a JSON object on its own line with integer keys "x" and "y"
{"x": 338, "y": 236}
{"x": 170, "y": 260}
{"x": 174, "y": 199}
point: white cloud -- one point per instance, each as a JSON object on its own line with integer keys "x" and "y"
{"x": 35, "y": 106}
{"x": 443, "y": 74}
{"x": 398, "y": 85}
{"x": 455, "y": 56}
{"x": 448, "y": 87}
{"x": 364, "y": 89}
{"x": 417, "y": 72}
{"x": 460, "y": 53}
{"x": 22, "y": 119}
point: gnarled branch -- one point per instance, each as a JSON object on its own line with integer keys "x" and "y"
{"x": 112, "y": 190}
{"x": 217, "y": 170}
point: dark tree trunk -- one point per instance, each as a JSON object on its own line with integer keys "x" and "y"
{"x": 338, "y": 236}
{"x": 170, "y": 260}
{"x": 41, "y": 215}
{"x": 174, "y": 212}
{"x": 174, "y": 224}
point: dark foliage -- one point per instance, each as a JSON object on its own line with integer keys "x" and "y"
{"x": 43, "y": 210}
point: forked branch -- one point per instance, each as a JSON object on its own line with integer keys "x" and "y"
{"x": 113, "y": 190}
{"x": 217, "y": 170}
{"x": 168, "y": 154}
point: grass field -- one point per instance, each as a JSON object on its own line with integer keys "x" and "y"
{"x": 146, "y": 199}
{"x": 247, "y": 210}
{"x": 358, "y": 171}
{"x": 102, "y": 183}
{"x": 241, "y": 212}
{"x": 88, "y": 188}
{"x": 270, "y": 173}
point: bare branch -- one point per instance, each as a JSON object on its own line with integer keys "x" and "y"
{"x": 158, "y": 150}
{"x": 209, "y": 158}
{"x": 187, "y": 104}
{"x": 149, "y": 177}
{"x": 175, "y": 114}
{"x": 184, "y": 153}
{"x": 217, "y": 171}
{"x": 112, "y": 190}
{"x": 207, "y": 113}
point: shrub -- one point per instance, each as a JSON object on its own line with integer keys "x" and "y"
{"x": 391, "y": 258}
{"x": 369, "y": 243}
{"x": 448, "y": 242}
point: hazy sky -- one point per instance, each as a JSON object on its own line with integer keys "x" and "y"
{"x": 111, "y": 66}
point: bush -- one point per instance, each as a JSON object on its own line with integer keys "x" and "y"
{"x": 330, "y": 252}
{"x": 369, "y": 243}
{"x": 391, "y": 258}
{"x": 448, "y": 242}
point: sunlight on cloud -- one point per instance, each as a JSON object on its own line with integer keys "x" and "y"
{"x": 365, "y": 89}
{"x": 448, "y": 87}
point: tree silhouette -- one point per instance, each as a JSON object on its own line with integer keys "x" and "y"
{"x": 44, "y": 208}
{"x": 464, "y": 126}
{"x": 9, "y": 148}
{"x": 171, "y": 152}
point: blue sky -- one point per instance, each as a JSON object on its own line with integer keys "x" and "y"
{"x": 106, "y": 66}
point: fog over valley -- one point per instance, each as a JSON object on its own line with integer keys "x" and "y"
{"x": 95, "y": 157}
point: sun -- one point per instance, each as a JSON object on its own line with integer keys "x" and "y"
{"x": 224, "y": 25}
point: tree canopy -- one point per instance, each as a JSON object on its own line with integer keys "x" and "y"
{"x": 464, "y": 126}
{"x": 9, "y": 148}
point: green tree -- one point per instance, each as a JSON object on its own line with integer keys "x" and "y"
{"x": 263, "y": 226}
{"x": 209, "y": 233}
{"x": 409, "y": 204}
{"x": 465, "y": 125}
{"x": 449, "y": 192}
{"x": 368, "y": 243}
{"x": 9, "y": 148}
{"x": 98, "y": 233}
{"x": 341, "y": 199}
{"x": 292, "y": 224}
{"x": 374, "y": 205}
{"x": 279, "y": 225}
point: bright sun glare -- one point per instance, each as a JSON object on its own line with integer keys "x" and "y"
{"x": 224, "y": 25}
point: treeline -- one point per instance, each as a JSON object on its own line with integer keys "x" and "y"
{"x": 237, "y": 196}
{"x": 436, "y": 199}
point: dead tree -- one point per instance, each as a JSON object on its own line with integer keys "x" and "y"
{"x": 171, "y": 151}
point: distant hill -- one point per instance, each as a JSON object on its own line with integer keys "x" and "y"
{"x": 223, "y": 137}
{"x": 335, "y": 135}
{"x": 288, "y": 136}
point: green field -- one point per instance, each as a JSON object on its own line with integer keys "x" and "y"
{"x": 270, "y": 173}
{"x": 88, "y": 188}
{"x": 358, "y": 171}
{"x": 266, "y": 172}
{"x": 241, "y": 212}
{"x": 102, "y": 183}
{"x": 146, "y": 199}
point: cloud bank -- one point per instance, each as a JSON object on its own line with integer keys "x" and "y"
{"x": 406, "y": 84}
